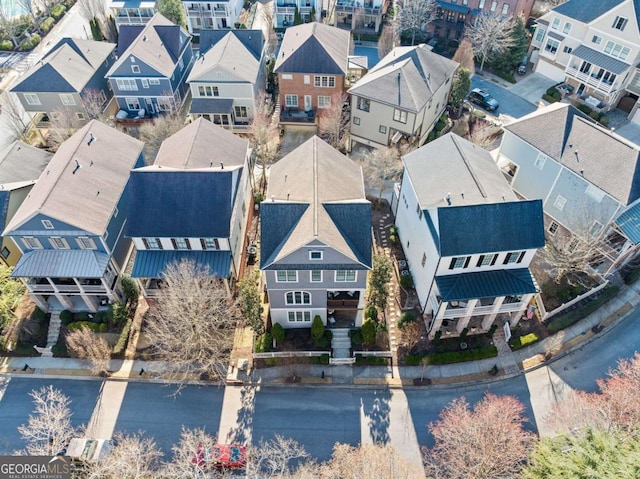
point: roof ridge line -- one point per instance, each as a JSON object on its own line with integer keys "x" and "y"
{"x": 193, "y": 140}
{"x": 470, "y": 168}
{"x": 315, "y": 187}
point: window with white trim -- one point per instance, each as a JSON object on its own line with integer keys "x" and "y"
{"x": 31, "y": 243}
{"x": 345, "y": 275}
{"x": 291, "y": 101}
{"x": 494, "y": 5}
{"x": 135, "y": 69}
{"x": 208, "y": 90}
{"x": 31, "y": 98}
{"x": 481, "y": 4}
{"x": 297, "y": 297}
{"x": 560, "y": 202}
{"x": 58, "y": 242}
{"x": 84, "y": 242}
{"x": 152, "y": 243}
{"x": 513, "y": 257}
{"x": 596, "y": 227}
{"x": 324, "y": 101}
{"x": 324, "y": 81}
{"x": 240, "y": 111}
{"x": 5, "y": 252}
{"x": 399, "y": 115}
{"x": 47, "y": 224}
{"x": 541, "y": 159}
{"x": 573, "y": 244}
{"x": 616, "y": 50}
{"x": 552, "y": 45}
{"x": 316, "y": 276}
{"x": 132, "y": 103}
{"x": 287, "y": 276}
{"x": 165, "y": 104}
{"x": 487, "y": 259}
{"x": 145, "y": 83}
{"x": 209, "y": 243}
{"x": 364, "y": 104}
{"x": 307, "y": 79}
{"x": 619, "y": 23}
{"x": 299, "y": 316}
{"x": 567, "y": 28}
{"x": 180, "y": 243}
{"x": 126, "y": 84}
{"x": 540, "y": 33}
{"x": 315, "y": 255}
{"x": 287, "y": 76}
{"x": 595, "y": 193}
{"x": 553, "y": 228}
{"x": 356, "y": 120}
{"x": 382, "y": 129}
{"x": 154, "y": 81}
{"x": 67, "y": 99}
{"x": 80, "y": 115}
{"x": 459, "y": 262}
{"x": 555, "y": 24}
{"x": 596, "y": 40}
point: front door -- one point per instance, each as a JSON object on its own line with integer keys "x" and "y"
{"x": 149, "y": 103}
{"x": 307, "y": 103}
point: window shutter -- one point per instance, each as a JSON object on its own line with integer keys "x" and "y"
{"x": 615, "y": 20}
{"x": 480, "y": 260}
{"x": 506, "y": 258}
{"x": 215, "y": 241}
{"x": 159, "y": 243}
{"x": 186, "y": 240}
{"x": 174, "y": 243}
{"x": 145, "y": 242}
{"x": 452, "y": 264}
{"x": 466, "y": 261}
{"x": 203, "y": 243}
{"x": 493, "y": 261}
{"x": 520, "y": 257}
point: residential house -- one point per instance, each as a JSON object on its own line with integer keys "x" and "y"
{"x": 453, "y": 16}
{"x": 360, "y": 17}
{"x": 284, "y": 12}
{"x": 311, "y": 67}
{"x": 193, "y": 203}
{"x": 315, "y": 238}
{"x": 20, "y": 167}
{"x": 467, "y": 239}
{"x": 72, "y": 71}
{"x": 70, "y": 227}
{"x": 207, "y": 15}
{"x": 152, "y": 67}
{"x": 227, "y": 77}
{"x": 594, "y": 47}
{"x": 586, "y": 176}
{"x": 132, "y": 12}
{"x": 403, "y": 96}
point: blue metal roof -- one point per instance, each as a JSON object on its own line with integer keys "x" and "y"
{"x": 629, "y": 223}
{"x": 486, "y": 284}
{"x": 489, "y": 228}
{"x": 194, "y": 204}
{"x": 453, "y": 7}
{"x": 354, "y": 223}
{"x": 61, "y": 263}
{"x": 152, "y": 264}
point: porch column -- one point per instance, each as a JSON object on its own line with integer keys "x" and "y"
{"x": 40, "y": 302}
{"x": 437, "y": 321}
{"x": 490, "y": 318}
{"x": 515, "y": 319}
{"x": 65, "y": 301}
{"x": 108, "y": 291}
{"x": 464, "y": 322}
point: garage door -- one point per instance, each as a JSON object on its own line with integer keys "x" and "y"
{"x": 549, "y": 70}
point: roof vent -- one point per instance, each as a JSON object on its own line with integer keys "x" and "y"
{"x": 76, "y": 168}
{"x": 448, "y": 199}
{"x": 144, "y": 38}
{"x": 273, "y": 198}
{"x": 221, "y": 165}
{"x": 462, "y": 194}
{"x": 91, "y": 140}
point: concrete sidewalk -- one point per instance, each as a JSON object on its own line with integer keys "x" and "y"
{"x": 527, "y": 358}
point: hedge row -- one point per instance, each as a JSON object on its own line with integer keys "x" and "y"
{"x": 565, "y": 320}
{"x": 522, "y": 341}
{"x": 95, "y": 327}
{"x": 121, "y": 345}
{"x": 454, "y": 356}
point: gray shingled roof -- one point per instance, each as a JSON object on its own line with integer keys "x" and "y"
{"x": 587, "y": 10}
{"x": 159, "y": 45}
{"x": 253, "y": 40}
{"x": 202, "y": 144}
{"x": 83, "y": 183}
{"x": 21, "y": 162}
{"x": 407, "y": 77}
{"x": 454, "y": 166}
{"x": 67, "y": 68}
{"x": 605, "y": 159}
{"x": 316, "y": 194}
{"x": 231, "y": 57}
{"x": 314, "y": 48}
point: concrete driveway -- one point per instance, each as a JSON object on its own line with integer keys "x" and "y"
{"x": 532, "y": 87}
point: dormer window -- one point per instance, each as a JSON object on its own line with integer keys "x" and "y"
{"x": 315, "y": 255}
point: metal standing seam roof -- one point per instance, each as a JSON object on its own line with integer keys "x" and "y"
{"x": 597, "y": 58}
{"x": 556, "y": 36}
{"x": 486, "y": 284}
{"x": 152, "y": 264}
{"x": 453, "y": 7}
{"x": 629, "y": 223}
{"x": 58, "y": 263}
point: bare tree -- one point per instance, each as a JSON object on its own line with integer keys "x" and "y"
{"x": 189, "y": 455}
{"x": 192, "y": 323}
{"x": 131, "y": 456}
{"x": 485, "y": 442}
{"x": 413, "y": 16}
{"x": 275, "y": 458}
{"x": 48, "y": 429}
{"x": 153, "y": 133}
{"x": 94, "y": 104}
{"x": 64, "y": 123}
{"x": 330, "y": 120}
{"x": 15, "y": 118}
{"x": 88, "y": 345}
{"x": 267, "y": 15}
{"x": 464, "y": 56}
{"x": 43, "y": 7}
{"x": 369, "y": 461}
{"x": 265, "y": 136}
{"x": 571, "y": 258}
{"x": 93, "y": 9}
{"x": 381, "y": 165}
{"x": 388, "y": 41}
{"x": 490, "y": 35}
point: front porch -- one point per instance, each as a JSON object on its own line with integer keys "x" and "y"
{"x": 293, "y": 115}
{"x": 344, "y": 309}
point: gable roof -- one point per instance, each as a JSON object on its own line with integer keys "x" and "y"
{"x": 181, "y": 203}
{"x": 83, "y": 182}
{"x": 407, "y": 77}
{"x": 586, "y": 11}
{"x": 490, "y": 228}
{"x": 192, "y": 147}
{"x": 67, "y": 68}
{"x": 314, "y": 48}
{"x": 231, "y": 54}
{"x": 158, "y": 44}
{"x": 455, "y": 167}
{"x": 315, "y": 194}
{"x": 252, "y": 40}
{"x": 565, "y": 134}
{"x": 20, "y": 162}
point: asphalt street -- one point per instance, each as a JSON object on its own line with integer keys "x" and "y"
{"x": 511, "y": 105}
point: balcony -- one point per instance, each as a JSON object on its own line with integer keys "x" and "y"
{"x": 290, "y": 115}
{"x": 344, "y": 6}
{"x": 591, "y": 80}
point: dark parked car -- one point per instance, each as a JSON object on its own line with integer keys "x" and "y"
{"x": 484, "y": 99}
